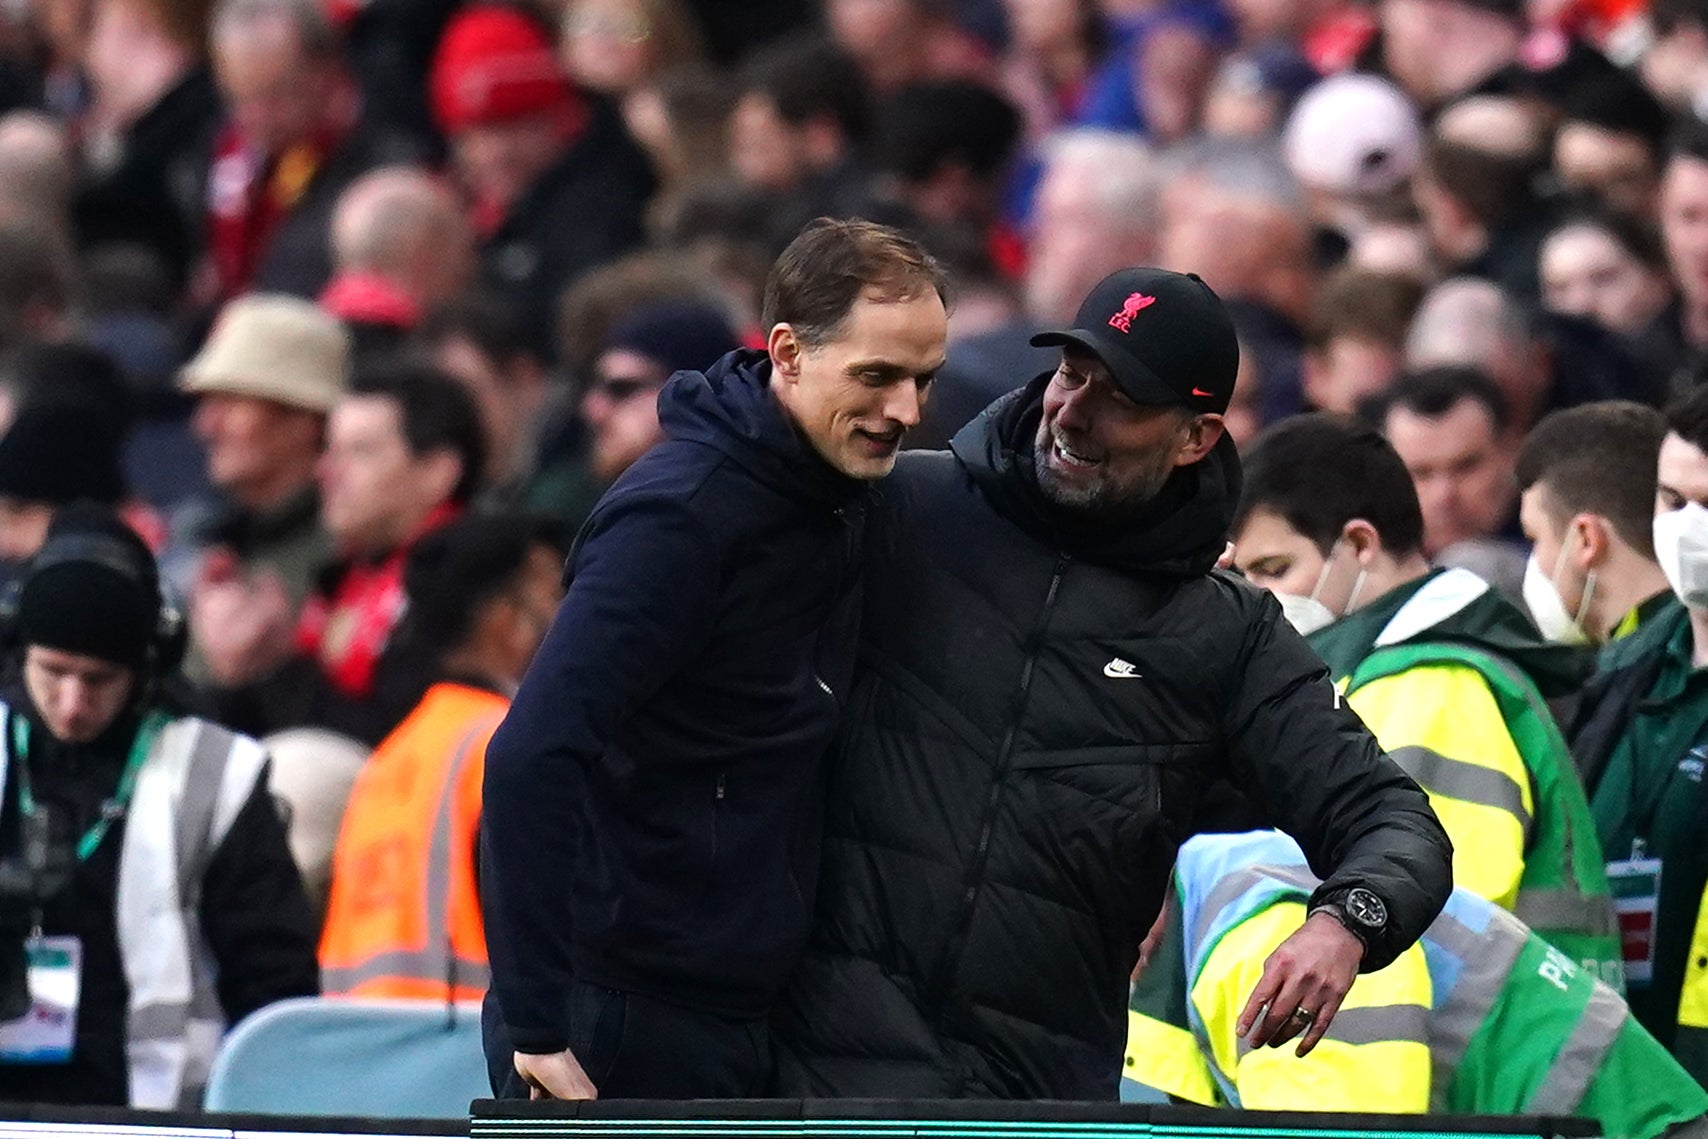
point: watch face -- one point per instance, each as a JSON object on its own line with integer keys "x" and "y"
{"x": 1366, "y": 909}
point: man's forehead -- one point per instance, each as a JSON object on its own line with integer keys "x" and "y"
{"x": 1465, "y": 426}
{"x": 64, "y": 660}
{"x": 1264, "y": 532}
{"x": 1682, "y": 465}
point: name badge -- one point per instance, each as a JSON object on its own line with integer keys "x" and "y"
{"x": 47, "y": 1034}
{"x": 1636, "y": 887}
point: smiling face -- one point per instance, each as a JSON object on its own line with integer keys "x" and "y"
{"x": 1098, "y": 452}
{"x": 855, "y": 395}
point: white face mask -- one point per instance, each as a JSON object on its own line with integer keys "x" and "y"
{"x": 1681, "y": 547}
{"x": 1307, "y": 614}
{"x": 1542, "y": 597}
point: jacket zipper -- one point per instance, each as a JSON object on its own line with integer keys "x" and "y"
{"x": 719, "y": 790}
{"x": 975, "y": 870}
{"x": 849, "y": 562}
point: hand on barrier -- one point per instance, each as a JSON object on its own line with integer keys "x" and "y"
{"x": 1303, "y": 983}
{"x": 1153, "y": 939}
{"x": 554, "y": 1075}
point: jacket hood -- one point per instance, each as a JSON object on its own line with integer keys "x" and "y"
{"x": 1181, "y": 532}
{"x": 730, "y": 407}
{"x": 1455, "y": 606}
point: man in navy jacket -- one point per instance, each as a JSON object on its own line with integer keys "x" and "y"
{"x": 652, "y": 801}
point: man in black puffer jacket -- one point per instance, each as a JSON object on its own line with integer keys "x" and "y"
{"x": 653, "y": 798}
{"x": 1051, "y": 676}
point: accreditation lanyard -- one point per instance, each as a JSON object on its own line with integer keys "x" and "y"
{"x": 114, "y": 807}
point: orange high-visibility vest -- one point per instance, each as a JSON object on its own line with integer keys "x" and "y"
{"x": 403, "y": 918}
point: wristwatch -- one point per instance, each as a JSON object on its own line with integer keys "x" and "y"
{"x": 1362, "y": 913}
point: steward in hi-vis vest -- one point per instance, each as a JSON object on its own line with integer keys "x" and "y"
{"x": 403, "y": 918}
{"x": 1449, "y": 676}
{"x": 1481, "y": 1017}
{"x": 158, "y": 902}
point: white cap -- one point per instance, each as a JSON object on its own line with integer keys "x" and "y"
{"x": 1353, "y": 134}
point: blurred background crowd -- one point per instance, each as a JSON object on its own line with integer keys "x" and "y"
{"x": 351, "y": 308}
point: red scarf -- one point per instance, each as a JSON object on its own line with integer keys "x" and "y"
{"x": 250, "y": 193}
{"x": 367, "y": 298}
{"x": 348, "y": 631}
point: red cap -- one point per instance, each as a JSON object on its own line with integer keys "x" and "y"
{"x": 495, "y": 64}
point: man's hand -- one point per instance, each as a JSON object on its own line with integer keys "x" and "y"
{"x": 1303, "y": 983}
{"x": 554, "y": 1075}
{"x": 242, "y": 625}
{"x": 1153, "y": 939}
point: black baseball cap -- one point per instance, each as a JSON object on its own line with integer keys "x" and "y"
{"x": 1165, "y": 337}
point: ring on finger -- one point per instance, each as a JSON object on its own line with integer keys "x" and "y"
{"x": 1304, "y": 1016}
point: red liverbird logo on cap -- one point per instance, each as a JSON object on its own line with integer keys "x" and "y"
{"x": 1130, "y": 308}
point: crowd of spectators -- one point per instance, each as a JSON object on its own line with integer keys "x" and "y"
{"x": 302, "y": 289}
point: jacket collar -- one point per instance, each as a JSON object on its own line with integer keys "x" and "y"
{"x": 730, "y": 407}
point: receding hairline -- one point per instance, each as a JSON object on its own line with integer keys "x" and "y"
{"x": 899, "y": 286}
{"x": 307, "y": 21}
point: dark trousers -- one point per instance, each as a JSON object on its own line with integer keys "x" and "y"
{"x": 636, "y": 1047}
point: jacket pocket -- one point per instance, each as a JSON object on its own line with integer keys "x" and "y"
{"x": 1131, "y": 776}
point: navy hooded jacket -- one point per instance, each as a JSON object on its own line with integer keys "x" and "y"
{"x": 652, "y": 804}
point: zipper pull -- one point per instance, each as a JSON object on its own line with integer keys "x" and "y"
{"x": 723, "y": 785}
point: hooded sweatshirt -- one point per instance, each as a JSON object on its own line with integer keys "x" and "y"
{"x": 652, "y": 800}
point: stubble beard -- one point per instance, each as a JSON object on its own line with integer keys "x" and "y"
{"x": 1105, "y": 498}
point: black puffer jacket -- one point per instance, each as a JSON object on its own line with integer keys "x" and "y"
{"x": 1037, "y": 715}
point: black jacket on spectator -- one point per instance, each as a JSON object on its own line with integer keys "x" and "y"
{"x": 658, "y": 778}
{"x": 147, "y": 196}
{"x": 1039, "y": 711}
{"x": 587, "y": 209}
{"x": 253, "y": 912}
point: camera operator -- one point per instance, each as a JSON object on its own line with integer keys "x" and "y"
{"x": 143, "y": 864}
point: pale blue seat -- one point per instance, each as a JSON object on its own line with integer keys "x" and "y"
{"x": 336, "y": 1056}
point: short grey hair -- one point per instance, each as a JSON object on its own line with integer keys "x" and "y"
{"x": 1465, "y": 320}
{"x": 1121, "y": 167}
{"x": 1242, "y": 168}
{"x": 316, "y": 33}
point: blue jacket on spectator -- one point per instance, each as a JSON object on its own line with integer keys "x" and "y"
{"x": 652, "y": 801}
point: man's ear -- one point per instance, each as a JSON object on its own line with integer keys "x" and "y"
{"x": 786, "y": 350}
{"x": 442, "y": 470}
{"x": 1203, "y": 432}
{"x": 1597, "y": 538}
{"x": 1363, "y": 538}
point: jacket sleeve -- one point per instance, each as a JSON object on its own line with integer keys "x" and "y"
{"x": 255, "y": 913}
{"x": 642, "y": 600}
{"x": 1320, "y": 776}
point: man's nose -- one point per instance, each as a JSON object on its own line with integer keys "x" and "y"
{"x": 1075, "y": 411}
{"x": 903, "y": 404}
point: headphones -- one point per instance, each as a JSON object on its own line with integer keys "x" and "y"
{"x": 170, "y": 635}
